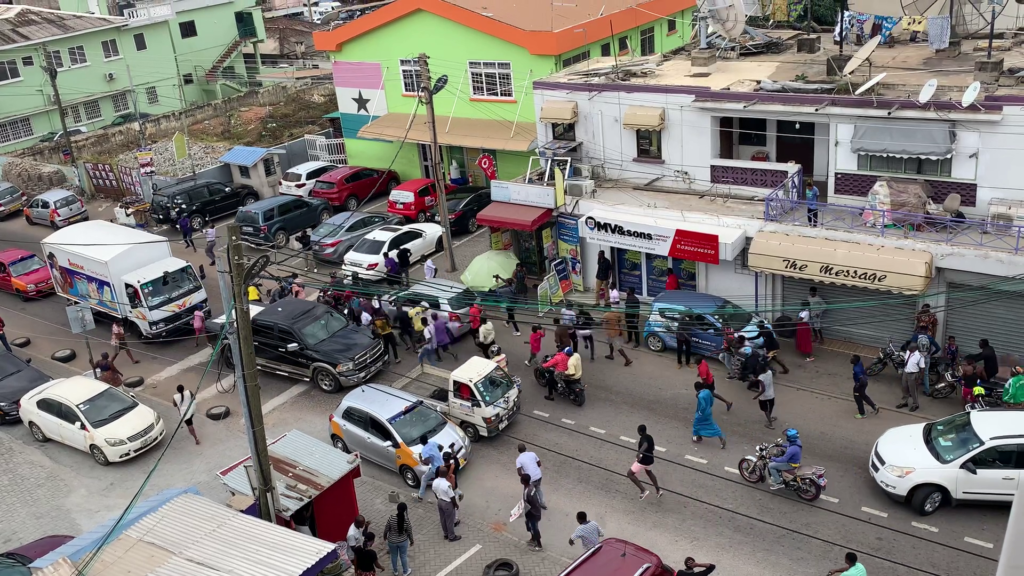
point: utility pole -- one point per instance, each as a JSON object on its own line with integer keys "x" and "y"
{"x": 51, "y": 73}
{"x": 138, "y": 120}
{"x": 427, "y": 97}
{"x": 246, "y": 374}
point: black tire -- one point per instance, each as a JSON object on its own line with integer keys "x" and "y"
{"x": 196, "y": 221}
{"x": 655, "y": 343}
{"x": 351, "y": 204}
{"x": 133, "y": 382}
{"x": 37, "y": 433}
{"x": 439, "y": 245}
{"x": 750, "y": 471}
{"x": 99, "y": 456}
{"x": 784, "y": 327}
{"x": 21, "y": 295}
{"x": 249, "y": 199}
{"x": 21, "y": 342}
{"x": 340, "y": 444}
{"x": 578, "y": 399}
{"x": 927, "y": 500}
{"x": 218, "y": 412}
{"x": 326, "y": 380}
{"x": 876, "y": 367}
{"x": 501, "y": 567}
{"x": 942, "y": 391}
{"x": 409, "y": 476}
{"x": 472, "y": 225}
{"x": 324, "y": 216}
{"x": 54, "y": 225}
{"x": 421, "y": 216}
{"x": 809, "y": 490}
{"x": 391, "y": 185}
{"x": 30, "y": 221}
{"x": 471, "y": 431}
{"x": 280, "y": 239}
{"x": 64, "y": 355}
{"x": 539, "y": 377}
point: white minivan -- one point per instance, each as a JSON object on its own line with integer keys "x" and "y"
{"x": 298, "y": 180}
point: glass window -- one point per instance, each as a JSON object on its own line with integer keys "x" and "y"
{"x": 198, "y": 194}
{"x": 996, "y": 458}
{"x": 269, "y": 167}
{"x": 378, "y": 429}
{"x": 494, "y": 386}
{"x": 106, "y": 407}
{"x": 576, "y": 58}
{"x": 66, "y": 201}
{"x": 410, "y": 76}
{"x": 355, "y": 417}
{"x": 322, "y": 328}
{"x": 671, "y": 25}
{"x": 152, "y": 97}
{"x": 247, "y": 217}
{"x": 54, "y": 59}
{"x": 110, "y": 49}
{"x": 648, "y": 144}
{"x": 76, "y": 55}
{"x": 188, "y": 79}
{"x": 951, "y": 438}
{"x": 73, "y": 114}
{"x": 14, "y": 130}
{"x": 489, "y": 79}
{"x": 217, "y": 189}
{"x": 623, "y": 44}
{"x": 566, "y": 132}
{"x": 461, "y": 301}
{"x": 647, "y": 41}
{"x": 732, "y": 316}
{"x": 267, "y": 216}
{"x": 119, "y": 102}
{"x": 140, "y": 42}
{"x": 416, "y": 420}
{"x": 187, "y": 29}
{"x": 92, "y": 110}
{"x": 48, "y": 406}
{"x": 28, "y": 61}
{"x": 9, "y": 70}
{"x": 753, "y": 132}
{"x": 170, "y": 287}
{"x": 263, "y": 332}
{"x": 606, "y": 49}
{"x": 911, "y": 166}
{"x": 243, "y": 172}
{"x": 368, "y": 246}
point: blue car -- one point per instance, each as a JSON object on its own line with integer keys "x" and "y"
{"x": 706, "y": 315}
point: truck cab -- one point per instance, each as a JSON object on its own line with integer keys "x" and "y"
{"x": 481, "y": 397}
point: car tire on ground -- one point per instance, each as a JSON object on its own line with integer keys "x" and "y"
{"x": 421, "y": 217}
{"x": 927, "y": 499}
{"x": 54, "y": 225}
{"x": 501, "y": 567}
{"x": 351, "y": 203}
{"x": 21, "y": 342}
{"x": 30, "y": 221}
{"x": 133, "y": 382}
{"x": 324, "y": 216}
{"x": 409, "y": 476}
{"x": 471, "y": 431}
{"x": 249, "y": 199}
{"x": 439, "y": 245}
{"x": 326, "y": 381}
{"x": 64, "y": 355}
{"x": 472, "y": 226}
{"x": 98, "y": 455}
{"x": 218, "y": 412}
{"x": 392, "y": 184}
{"x": 37, "y": 432}
{"x": 21, "y": 295}
{"x": 196, "y": 221}
{"x": 655, "y": 343}
{"x": 339, "y": 444}
{"x": 280, "y": 239}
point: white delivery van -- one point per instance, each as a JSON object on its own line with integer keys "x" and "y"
{"x": 126, "y": 274}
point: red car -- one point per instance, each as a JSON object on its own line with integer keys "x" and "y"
{"x": 413, "y": 199}
{"x": 23, "y": 273}
{"x": 348, "y": 186}
{"x": 615, "y": 557}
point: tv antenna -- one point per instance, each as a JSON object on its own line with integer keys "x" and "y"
{"x": 729, "y": 17}
{"x": 863, "y": 54}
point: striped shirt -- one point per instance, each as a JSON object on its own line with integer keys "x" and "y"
{"x": 395, "y": 536}
{"x": 588, "y": 534}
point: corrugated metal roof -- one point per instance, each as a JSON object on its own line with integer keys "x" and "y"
{"x": 27, "y": 24}
{"x": 302, "y": 467}
{"x": 244, "y": 155}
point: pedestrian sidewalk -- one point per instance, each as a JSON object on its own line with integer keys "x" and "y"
{"x": 433, "y": 555}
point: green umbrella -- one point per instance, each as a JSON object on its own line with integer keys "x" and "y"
{"x": 480, "y": 273}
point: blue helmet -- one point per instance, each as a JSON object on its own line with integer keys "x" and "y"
{"x": 567, "y": 351}
{"x": 792, "y": 434}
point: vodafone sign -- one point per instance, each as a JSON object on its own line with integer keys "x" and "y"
{"x": 699, "y": 243}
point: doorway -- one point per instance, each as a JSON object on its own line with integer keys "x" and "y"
{"x": 725, "y": 138}
{"x": 794, "y": 142}
{"x": 426, "y": 163}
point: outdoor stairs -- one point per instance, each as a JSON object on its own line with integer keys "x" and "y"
{"x": 213, "y": 73}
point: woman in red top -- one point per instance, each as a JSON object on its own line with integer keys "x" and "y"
{"x": 474, "y": 319}
{"x": 672, "y": 282}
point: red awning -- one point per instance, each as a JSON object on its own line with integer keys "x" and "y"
{"x": 514, "y": 216}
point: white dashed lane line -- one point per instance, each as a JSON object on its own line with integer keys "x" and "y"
{"x": 695, "y": 459}
{"x": 875, "y": 512}
{"x": 978, "y": 542}
{"x": 924, "y": 526}
{"x": 660, "y": 449}
{"x": 627, "y": 439}
{"x": 568, "y": 421}
{"x": 598, "y": 430}
{"x": 830, "y": 499}
{"x": 539, "y": 413}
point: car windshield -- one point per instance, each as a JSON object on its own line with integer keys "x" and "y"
{"x": 161, "y": 200}
{"x": 66, "y": 201}
{"x": 9, "y": 192}
{"x": 171, "y": 286}
{"x": 247, "y": 217}
{"x": 292, "y": 177}
{"x": 330, "y": 229}
{"x": 416, "y": 420}
{"x": 732, "y": 316}
{"x": 368, "y": 246}
{"x": 106, "y": 407}
{"x": 494, "y": 386}
{"x": 26, "y": 265}
{"x": 951, "y": 438}
{"x": 322, "y": 328}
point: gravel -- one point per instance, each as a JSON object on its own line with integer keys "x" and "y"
{"x": 204, "y": 156}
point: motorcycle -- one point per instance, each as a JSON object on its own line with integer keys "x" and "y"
{"x": 950, "y": 381}
{"x": 807, "y": 485}
{"x": 566, "y": 388}
{"x": 890, "y": 355}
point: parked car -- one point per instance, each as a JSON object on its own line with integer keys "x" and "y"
{"x": 36, "y": 549}
{"x": 12, "y": 199}
{"x": 616, "y": 557}
{"x": 348, "y": 186}
{"x": 436, "y": 294}
{"x": 130, "y": 117}
{"x": 17, "y": 378}
{"x": 23, "y": 273}
{"x": 384, "y": 425}
{"x": 93, "y": 417}
{"x": 336, "y": 236}
{"x": 55, "y": 135}
{"x": 706, "y": 317}
{"x": 971, "y": 456}
{"x": 367, "y": 257}
{"x": 310, "y": 341}
{"x": 58, "y": 208}
{"x": 298, "y": 180}
{"x": 414, "y": 199}
{"x": 464, "y": 203}
{"x": 201, "y": 200}
{"x": 274, "y": 220}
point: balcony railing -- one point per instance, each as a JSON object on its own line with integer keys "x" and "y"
{"x": 148, "y": 12}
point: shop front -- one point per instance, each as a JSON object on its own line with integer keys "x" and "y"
{"x": 520, "y": 218}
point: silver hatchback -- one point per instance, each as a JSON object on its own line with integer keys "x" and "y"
{"x": 58, "y": 208}
{"x": 332, "y": 239}
{"x": 12, "y": 199}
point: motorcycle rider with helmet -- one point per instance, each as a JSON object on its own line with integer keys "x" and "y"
{"x": 560, "y": 362}
{"x": 788, "y": 461}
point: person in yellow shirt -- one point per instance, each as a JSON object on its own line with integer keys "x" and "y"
{"x": 253, "y": 293}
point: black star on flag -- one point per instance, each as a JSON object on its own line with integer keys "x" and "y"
{"x": 361, "y": 103}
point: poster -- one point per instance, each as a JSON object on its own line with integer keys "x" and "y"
{"x": 629, "y": 264}
{"x": 145, "y": 157}
{"x": 496, "y": 239}
{"x": 487, "y": 164}
{"x": 554, "y": 288}
{"x": 567, "y": 231}
{"x": 561, "y": 271}
{"x": 657, "y": 273}
{"x": 103, "y": 177}
{"x": 547, "y": 238}
{"x": 549, "y": 293}
{"x": 130, "y": 181}
{"x": 506, "y": 239}
{"x": 80, "y": 286}
{"x": 686, "y": 271}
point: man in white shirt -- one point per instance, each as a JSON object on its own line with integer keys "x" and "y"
{"x": 429, "y": 269}
{"x": 356, "y": 536}
{"x": 447, "y": 504}
{"x": 613, "y": 295}
{"x": 911, "y": 377}
{"x": 365, "y": 318}
{"x": 529, "y": 463}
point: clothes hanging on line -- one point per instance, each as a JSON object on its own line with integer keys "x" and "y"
{"x": 797, "y": 9}
{"x": 861, "y": 20}
{"x": 938, "y": 32}
{"x": 888, "y": 24}
{"x": 847, "y": 28}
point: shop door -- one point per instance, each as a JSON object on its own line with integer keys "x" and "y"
{"x": 859, "y": 315}
{"x": 795, "y": 142}
{"x": 976, "y": 312}
{"x": 725, "y": 138}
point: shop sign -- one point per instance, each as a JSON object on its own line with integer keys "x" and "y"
{"x": 487, "y": 164}
{"x": 524, "y": 194}
{"x": 682, "y": 244}
{"x": 567, "y": 230}
{"x": 562, "y": 272}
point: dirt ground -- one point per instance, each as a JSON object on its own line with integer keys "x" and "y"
{"x": 266, "y": 126}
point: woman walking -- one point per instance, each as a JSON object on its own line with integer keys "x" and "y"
{"x": 703, "y": 422}
{"x": 803, "y": 332}
{"x": 398, "y": 533}
{"x": 109, "y": 374}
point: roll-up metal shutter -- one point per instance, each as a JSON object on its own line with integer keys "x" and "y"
{"x": 976, "y": 312}
{"x": 860, "y": 315}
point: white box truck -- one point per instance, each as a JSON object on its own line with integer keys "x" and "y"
{"x": 125, "y": 274}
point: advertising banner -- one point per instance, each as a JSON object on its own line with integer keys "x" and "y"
{"x": 567, "y": 230}
{"x": 145, "y": 158}
{"x": 524, "y": 194}
{"x": 74, "y": 282}
{"x": 683, "y": 244}
{"x": 657, "y": 273}
{"x": 630, "y": 272}
{"x": 561, "y": 271}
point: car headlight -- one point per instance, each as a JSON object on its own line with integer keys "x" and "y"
{"x": 31, "y": 286}
{"x": 160, "y": 326}
{"x": 462, "y": 435}
{"x": 8, "y": 407}
{"x": 114, "y": 442}
{"x": 899, "y": 471}
{"x": 159, "y": 419}
{"x": 345, "y": 366}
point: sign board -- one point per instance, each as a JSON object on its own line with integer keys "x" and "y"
{"x": 130, "y": 181}
{"x": 567, "y": 230}
{"x": 650, "y": 238}
{"x": 516, "y": 512}
{"x": 559, "y": 188}
{"x": 561, "y": 270}
{"x": 80, "y": 318}
{"x": 65, "y": 154}
{"x": 549, "y": 293}
{"x": 487, "y": 164}
{"x": 145, "y": 158}
{"x": 104, "y": 178}
{"x": 524, "y": 194}
{"x": 180, "y": 147}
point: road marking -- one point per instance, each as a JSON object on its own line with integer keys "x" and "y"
{"x": 284, "y": 397}
{"x": 627, "y": 439}
{"x": 830, "y": 499}
{"x": 924, "y": 526}
{"x": 568, "y": 421}
{"x": 598, "y": 430}
{"x": 695, "y": 459}
{"x": 659, "y": 449}
{"x": 732, "y": 470}
{"x": 539, "y": 413}
{"x": 978, "y": 542}
{"x": 459, "y": 560}
{"x": 875, "y": 512}
{"x": 182, "y": 365}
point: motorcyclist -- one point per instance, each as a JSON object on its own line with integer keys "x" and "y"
{"x": 560, "y": 363}
{"x": 788, "y": 461}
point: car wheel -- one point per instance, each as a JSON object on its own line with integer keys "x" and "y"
{"x": 98, "y": 455}
{"x": 655, "y": 343}
{"x": 280, "y": 239}
{"x": 927, "y": 500}
{"x": 54, "y": 225}
{"x": 339, "y": 444}
{"x": 409, "y": 476}
{"x": 351, "y": 203}
{"x": 37, "y": 432}
{"x": 249, "y": 200}
{"x": 64, "y": 355}
{"x": 439, "y": 245}
{"x": 471, "y": 431}
{"x": 392, "y": 184}
{"x": 326, "y": 381}
{"x": 196, "y": 221}
{"x": 421, "y": 217}
{"x": 324, "y": 216}
{"x": 472, "y": 226}
{"x": 218, "y": 412}
{"x": 30, "y": 221}
{"x": 21, "y": 295}
{"x": 21, "y": 342}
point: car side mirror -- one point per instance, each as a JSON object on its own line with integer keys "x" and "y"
{"x": 79, "y": 426}
{"x": 293, "y": 347}
{"x": 132, "y": 394}
{"x": 28, "y": 360}
{"x": 388, "y": 444}
{"x": 969, "y": 467}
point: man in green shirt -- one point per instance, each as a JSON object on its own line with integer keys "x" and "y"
{"x": 852, "y": 568}
{"x": 1013, "y": 392}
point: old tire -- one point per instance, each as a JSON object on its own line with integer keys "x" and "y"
{"x": 64, "y": 355}
{"x": 501, "y": 567}
{"x": 218, "y": 412}
{"x": 133, "y": 382}
{"x": 21, "y": 342}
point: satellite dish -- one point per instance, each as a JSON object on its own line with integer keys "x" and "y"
{"x": 927, "y": 91}
{"x": 971, "y": 94}
{"x": 330, "y": 17}
{"x": 728, "y": 17}
{"x": 863, "y": 54}
{"x": 864, "y": 87}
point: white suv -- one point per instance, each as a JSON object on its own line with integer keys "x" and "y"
{"x": 298, "y": 180}
{"x": 971, "y": 456}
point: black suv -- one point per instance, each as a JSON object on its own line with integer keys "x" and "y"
{"x": 310, "y": 341}
{"x": 273, "y": 220}
{"x": 201, "y": 200}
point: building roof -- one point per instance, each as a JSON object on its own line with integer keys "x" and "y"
{"x": 245, "y": 155}
{"x": 302, "y": 467}
{"x": 541, "y": 26}
{"x": 20, "y": 25}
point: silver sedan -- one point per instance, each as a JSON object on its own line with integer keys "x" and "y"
{"x": 337, "y": 235}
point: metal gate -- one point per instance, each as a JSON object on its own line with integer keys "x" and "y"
{"x": 860, "y": 315}
{"x": 322, "y": 149}
{"x": 976, "y": 312}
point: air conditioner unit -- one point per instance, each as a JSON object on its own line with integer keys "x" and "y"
{"x": 110, "y": 75}
{"x": 579, "y": 187}
{"x": 585, "y": 171}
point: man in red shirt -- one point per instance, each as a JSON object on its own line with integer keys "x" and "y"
{"x": 672, "y": 282}
{"x": 708, "y": 379}
{"x": 474, "y": 319}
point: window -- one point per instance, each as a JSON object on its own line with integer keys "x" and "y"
{"x": 491, "y": 79}
{"x": 140, "y": 42}
{"x": 648, "y": 144}
{"x": 647, "y": 41}
{"x": 119, "y": 103}
{"x": 753, "y": 132}
{"x": 187, "y": 79}
{"x": 623, "y": 44}
{"x": 73, "y": 114}
{"x": 378, "y": 429}
{"x": 354, "y": 417}
{"x": 54, "y": 59}
{"x": 410, "y": 76}
{"x": 76, "y": 55}
{"x": 910, "y": 166}
{"x": 187, "y": 29}
{"x": 110, "y": 50}
{"x": 996, "y": 458}
{"x": 9, "y": 70}
{"x": 151, "y": 95}
{"x": 28, "y": 61}
{"x": 92, "y": 110}
{"x": 14, "y": 130}
{"x": 606, "y": 49}
{"x": 243, "y": 172}
{"x": 582, "y": 56}
{"x": 565, "y": 132}
{"x": 269, "y": 167}
{"x": 671, "y": 25}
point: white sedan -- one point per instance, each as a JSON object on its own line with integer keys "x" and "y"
{"x": 92, "y": 416}
{"x": 367, "y": 257}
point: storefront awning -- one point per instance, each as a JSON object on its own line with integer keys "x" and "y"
{"x": 514, "y": 216}
{"x": 465, "y": 132}
{"x": 665, "y": 236}
{"x": 838, "y": 262}
{"x": 558, "y": 112}
{"x": 932, "y": 140}
{"x": 643, "y": 118}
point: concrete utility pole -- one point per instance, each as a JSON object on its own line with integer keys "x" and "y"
{"x": 427, "y": 97}
{"x": 51, "y": 73}
{"x": 246, "y": 374}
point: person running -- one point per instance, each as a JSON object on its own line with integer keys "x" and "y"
{"x": 817, "y": 308}
{"x": 118, "y": 341}
{"x": 536, "y": 336}
{"x": 708, "y": 379}
{"x": 185, "y": 226}
{"x": 199, "y": 323}
{"x": 601, "y": 278}
{"x": 584, "y": 325}
{"x": 211, "y": 242}
{"x": 185, "y": 402}
{"x": 771, "y": 345}
{"x": 486, "y": 337}
{"x": 860, "y": 387}
{"x": 442, "y": 337}
{"x": 804, "y": 333}
{"x": 406, "y": 332}
{"x": 528, "y": 463}
{"x": 383, "y": 330}
{"x": 398, "y": 534}
{"x": 429, "y": 348}
{"x": 532, "y": 512}
{"x": 588, "y": 532}
{"x": 632, "y": 318}
{"x": 644, "y": 461}
{"x": 766, "y": 395}
{"x": 852, "y": 568}
{"x": 613, "y": 324}
{"x": 568, "y": 318}
{"x": 911, "y": 377}
{"x": 703, "y": 421}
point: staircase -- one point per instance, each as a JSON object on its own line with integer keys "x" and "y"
{"x": 213, "y": 72}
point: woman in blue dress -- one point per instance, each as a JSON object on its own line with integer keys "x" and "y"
{"x": 703, "y": 422}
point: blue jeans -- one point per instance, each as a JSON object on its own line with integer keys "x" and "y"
{"x": 428, "y": 477}
{"x": 428, "y": 354}
{"x": 775, "y": 470}
{"x": 3, "y": 338}
{"x": 399, "y": 551}
{"x": 926, "y": 383}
